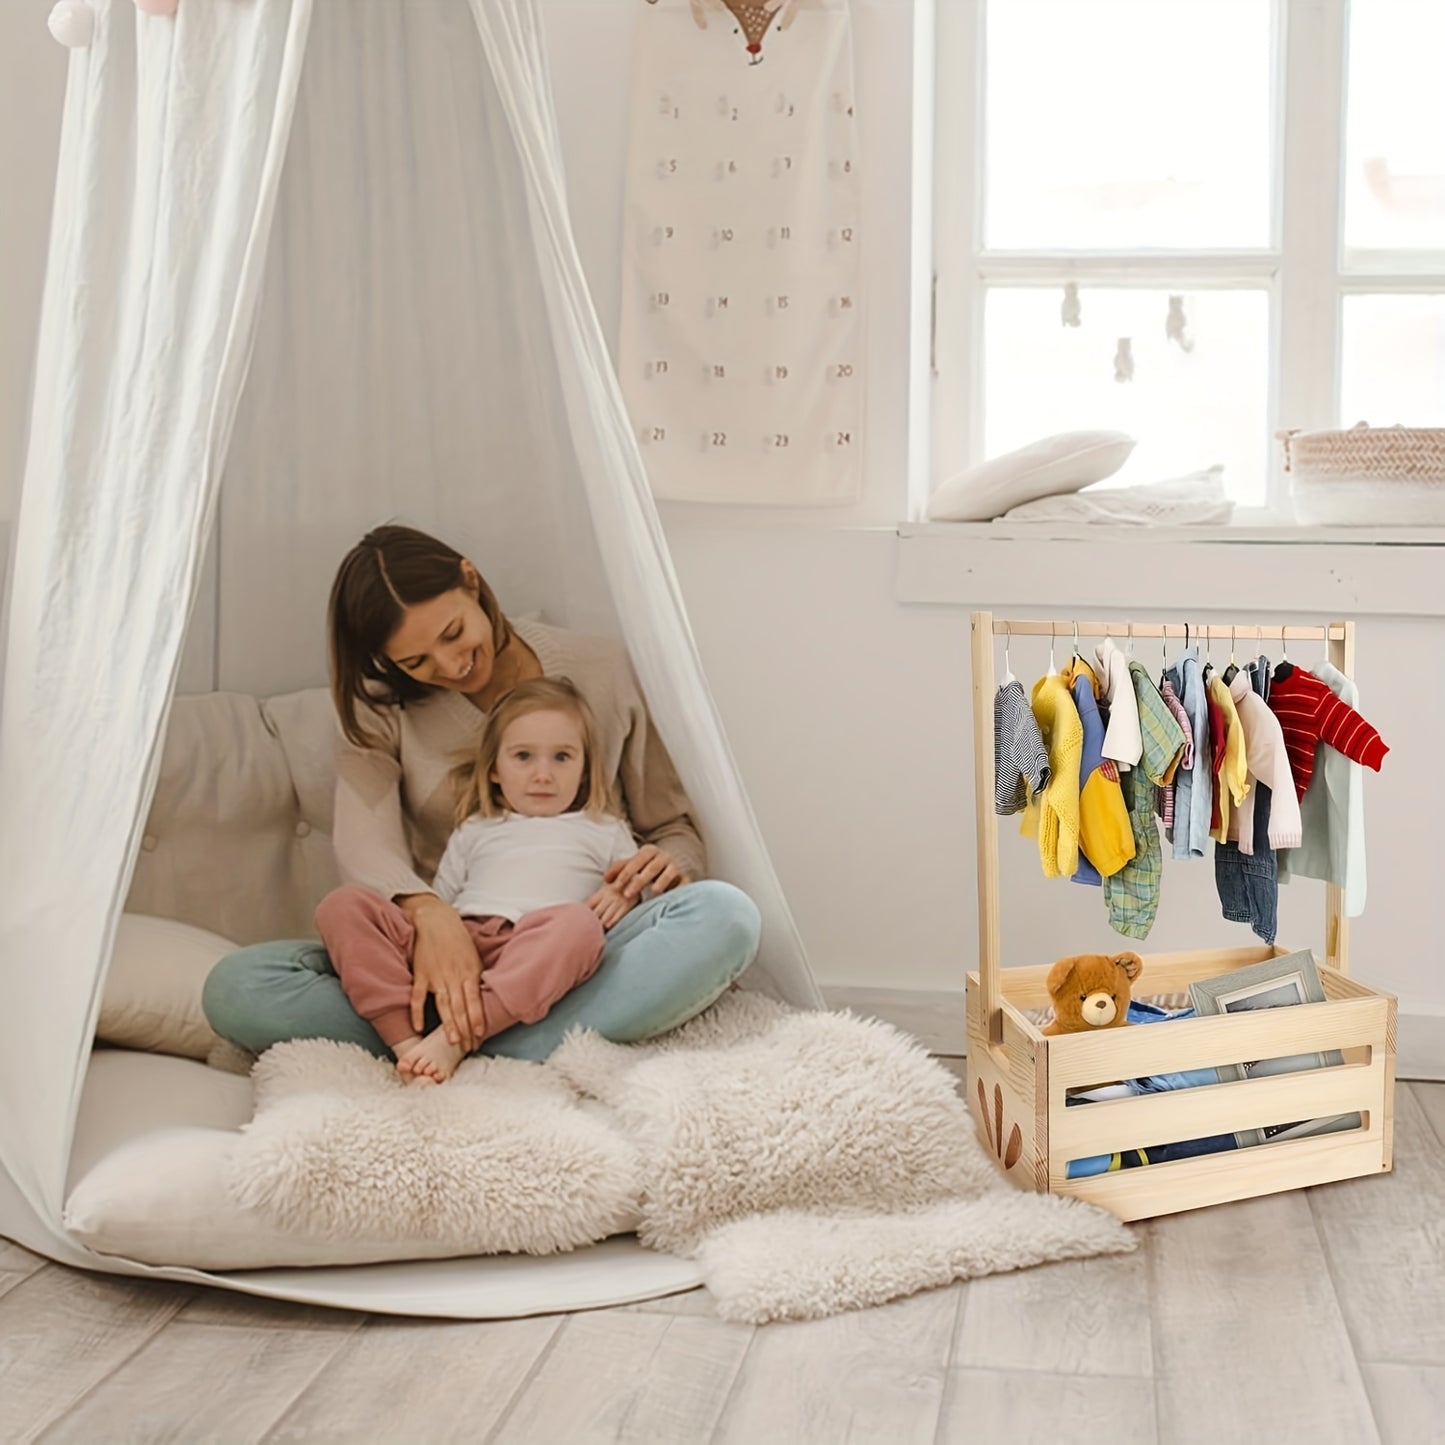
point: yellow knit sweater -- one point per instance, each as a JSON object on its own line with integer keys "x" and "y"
{"x": 1054, "y": 813}
{"x": 1234, "y": 773}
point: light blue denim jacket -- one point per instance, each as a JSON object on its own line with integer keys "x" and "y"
{"x": 1190, "y": 835}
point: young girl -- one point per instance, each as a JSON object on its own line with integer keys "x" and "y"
{"x": 535, "y": 834}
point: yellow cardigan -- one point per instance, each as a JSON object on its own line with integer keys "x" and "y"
{"x": 1234, "y": 774}
{"x": 1054, "y": 813}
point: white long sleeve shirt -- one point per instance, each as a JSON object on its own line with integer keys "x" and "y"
{"x": 513, "y": 865}
{"x": 1123, "y": 738}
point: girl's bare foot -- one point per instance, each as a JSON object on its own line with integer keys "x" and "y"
{"x": 429, "y": 1060}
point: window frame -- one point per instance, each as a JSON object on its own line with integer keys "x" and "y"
{"x": 1305, "y": 270}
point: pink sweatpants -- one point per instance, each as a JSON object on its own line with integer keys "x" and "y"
{"x": 526, "y": 966}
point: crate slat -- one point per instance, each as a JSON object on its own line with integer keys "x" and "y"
{"x": 1082, "y": 1060}
{"x": 1220, "y": 1178}
{"x": 1150, "y": 1119}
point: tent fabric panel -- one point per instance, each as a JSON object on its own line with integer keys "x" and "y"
{"x": 159, "y": 235}
{"x": 643, "y": 584}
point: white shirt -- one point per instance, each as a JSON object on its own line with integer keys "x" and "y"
{"x": 514, "y": 865}
{"x": 1123, "y": 741}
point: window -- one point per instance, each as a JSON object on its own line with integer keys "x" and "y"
{"x": 1197, "y": 221}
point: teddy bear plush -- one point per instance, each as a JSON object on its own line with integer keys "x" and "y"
{"x": 1092, "y": 991}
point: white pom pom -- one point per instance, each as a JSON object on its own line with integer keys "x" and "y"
{"x": 72, "y": 23}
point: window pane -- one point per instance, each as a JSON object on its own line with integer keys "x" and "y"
{"x": 1393, "y": 361}
{"x": 1127, "y": 124}
{"x": 1395, "y": 132}
{"x": 1192, "y": 401}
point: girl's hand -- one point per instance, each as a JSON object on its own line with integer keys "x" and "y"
{"x": 610, "y": 904}
{"x": 444, "y": 963}
{"x": 649, "y": 867}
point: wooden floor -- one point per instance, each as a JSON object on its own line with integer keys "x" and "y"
{"x": 1316, "y": 1316}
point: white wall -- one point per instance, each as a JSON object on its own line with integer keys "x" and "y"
{"x": 848, "y": 710}
{"x": 32, "y": 82}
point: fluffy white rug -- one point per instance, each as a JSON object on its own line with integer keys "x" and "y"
{"x": 503, "y": 1159}
{"x": 813, "y": 1162}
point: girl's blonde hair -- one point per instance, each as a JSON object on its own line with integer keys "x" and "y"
{"x": 472, "y": 777}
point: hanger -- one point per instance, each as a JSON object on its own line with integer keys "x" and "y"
{"x": 1053, "y": 666}
{"x": 1008, "y": 672}
{"x": 1233, "y": 668}
{"x": 1285, "y": 666}
{"x": 1076, "y": 639}
{"x": 1129, "y": 645}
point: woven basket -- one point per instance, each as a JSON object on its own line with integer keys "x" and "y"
{"x": 1368, "y": 475}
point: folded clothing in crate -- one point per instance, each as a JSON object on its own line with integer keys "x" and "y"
{"x": 1141, "y": 1012}
{"x": 1146, "y": 1013}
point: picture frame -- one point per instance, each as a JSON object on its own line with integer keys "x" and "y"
{"x": 1292, "y": 978}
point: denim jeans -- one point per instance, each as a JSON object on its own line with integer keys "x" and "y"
{"x": 1248, "y": 883}
{"x": 664, "y": 962}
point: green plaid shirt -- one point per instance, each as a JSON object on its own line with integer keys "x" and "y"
{"x": 1133, "y": 892}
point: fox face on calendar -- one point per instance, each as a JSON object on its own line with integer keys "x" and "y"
{"x": 741, "y": 350}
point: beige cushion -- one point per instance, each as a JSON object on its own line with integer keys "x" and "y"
{"x": 1061, "y": 463}
{"x": 152, "y": 996}
{"x": 238, "y": 839}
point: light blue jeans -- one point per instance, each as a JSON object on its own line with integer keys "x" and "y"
{"x": 664, "y": 962}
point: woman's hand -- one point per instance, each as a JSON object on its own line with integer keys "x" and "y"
{"x": 611, "y": 904}
{"x": 649, "y": 867}
{"x": 444, "y": 963}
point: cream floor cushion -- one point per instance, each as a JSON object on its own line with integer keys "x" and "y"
{"x": 150, "y": 1177}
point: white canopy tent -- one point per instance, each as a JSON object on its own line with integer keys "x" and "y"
{"x": 311, "y": 266}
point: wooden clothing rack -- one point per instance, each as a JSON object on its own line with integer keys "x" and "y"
{"x": 1018, "y": 1078}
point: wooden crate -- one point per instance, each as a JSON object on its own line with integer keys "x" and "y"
{"x": 1018, "y": 1078}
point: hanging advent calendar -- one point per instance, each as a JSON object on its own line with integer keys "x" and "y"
{"x": 742, "y": 308}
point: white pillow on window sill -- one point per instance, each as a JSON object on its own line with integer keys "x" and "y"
{"x": 1045, "y": 468}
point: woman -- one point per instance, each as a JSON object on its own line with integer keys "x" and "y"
{"x": 420, "y": 651}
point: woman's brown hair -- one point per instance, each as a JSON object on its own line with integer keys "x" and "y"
{"x": 472, "y": 778}
{"x": 390, "y": 569}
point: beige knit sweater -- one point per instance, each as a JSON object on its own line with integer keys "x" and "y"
{"x": 394, "y": 804}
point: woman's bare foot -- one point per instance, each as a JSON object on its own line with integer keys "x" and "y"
{"x": 429, "y": 1060}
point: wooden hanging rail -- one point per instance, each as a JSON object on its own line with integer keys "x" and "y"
{"x": 1209, "y": 631}
{"x": 1340, "y": 637}
{"x": 1020, "y": 1079}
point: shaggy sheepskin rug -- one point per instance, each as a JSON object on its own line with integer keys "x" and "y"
{"x": 504, "y": 1158}
{"x": 811, "y": 1162}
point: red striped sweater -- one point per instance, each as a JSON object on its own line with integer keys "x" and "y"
{"x": 1310, "y": 714}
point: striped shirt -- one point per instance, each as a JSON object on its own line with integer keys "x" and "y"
{"x": 1020, "y": 765}
{"x": 1310, "y": 714}
{"x": 1165, "y": 803}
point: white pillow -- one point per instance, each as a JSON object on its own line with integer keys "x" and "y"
{"x": 1061, "y": 463}
{"x": 152, "y": 996}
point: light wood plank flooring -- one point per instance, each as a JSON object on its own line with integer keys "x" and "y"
{"x": 1317, "y": 1316}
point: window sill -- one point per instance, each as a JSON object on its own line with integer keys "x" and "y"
{"x": 1242, "y": 571}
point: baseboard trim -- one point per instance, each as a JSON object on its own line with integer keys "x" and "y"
{"x": 936, "y": 1018}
